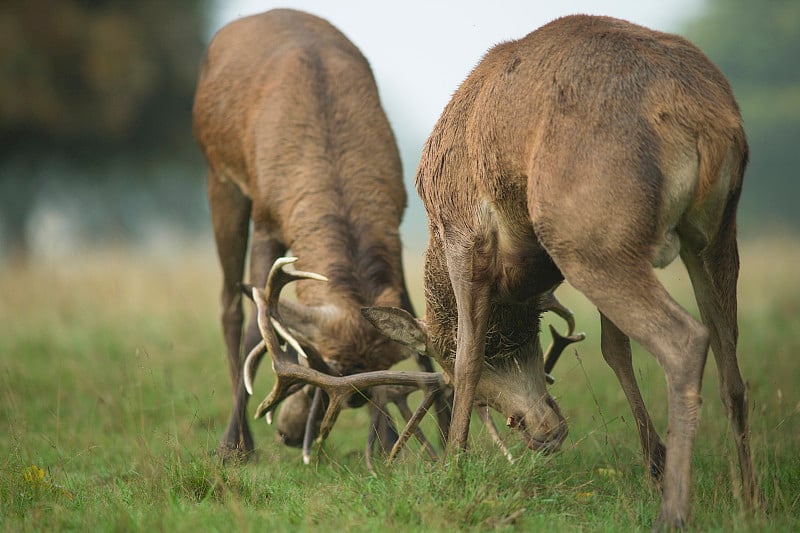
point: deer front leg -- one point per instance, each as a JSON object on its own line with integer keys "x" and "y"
{"x": 264, "y": 249}
{"x": 472, "y": 304}
{"x": 230, "y": 217}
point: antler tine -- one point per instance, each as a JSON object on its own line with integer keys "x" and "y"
{"x": 561, "y": 310}
{"x": 556, "y": 348}
{"x": 253, "y": 359}
{"x": 278, "y": 278}
{"x": 560, "y": 342}
{"x": 400, "y": 398}
{"x": 251, "y": 363}
{"x": 550, "y": 303}
{"x": 412, "y": 424}
{"x": 313, "y": 413}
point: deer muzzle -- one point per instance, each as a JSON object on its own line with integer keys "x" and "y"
{"x": 543, "y": 429}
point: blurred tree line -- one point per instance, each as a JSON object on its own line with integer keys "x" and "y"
{"x": 96, "y": 95}
{"x": 89, "y": 87}
{"x": 757, "y": 45}
{"x": 113, "y": 75}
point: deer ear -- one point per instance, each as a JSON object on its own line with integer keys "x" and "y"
{"x": 398, "y": 325}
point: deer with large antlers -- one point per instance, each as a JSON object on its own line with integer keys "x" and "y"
{"x": 591, "y": 150}
{"x": 288, "y": 116}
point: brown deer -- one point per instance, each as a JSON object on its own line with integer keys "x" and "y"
{"x": 591, "y": 150}
{"x": 288, "y": 116}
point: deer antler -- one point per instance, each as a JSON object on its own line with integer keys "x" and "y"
{"x": 310, "y": 357}
{"x": 560, "y": 342}
{"x": 313, "y": 413}
{"x": 290, "y": 374}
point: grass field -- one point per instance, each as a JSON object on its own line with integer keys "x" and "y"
{"x": 114, "y": 393}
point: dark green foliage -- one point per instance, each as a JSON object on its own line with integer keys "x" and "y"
{"x": 106, "y": 75}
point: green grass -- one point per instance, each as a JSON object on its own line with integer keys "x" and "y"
{"x": 114, "y": 393}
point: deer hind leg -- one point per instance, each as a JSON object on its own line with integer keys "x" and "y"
{"x": 626, "y": 291}
{"x": 230, "y": 218}
{"x": 714, "y": 272}
{"x": 601, "y": 234}
{"x": 616, "y": 348}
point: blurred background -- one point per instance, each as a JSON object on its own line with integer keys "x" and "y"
{"x": 96, "y": 148}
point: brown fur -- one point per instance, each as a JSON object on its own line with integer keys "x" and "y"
{"x": 288, "y": 115}
{"x": 592, "y": 149}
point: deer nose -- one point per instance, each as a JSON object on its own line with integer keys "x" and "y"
{"x": 549, "y": 434}
{"x": 547, "y": 443}
{"x": 556, "y": 439}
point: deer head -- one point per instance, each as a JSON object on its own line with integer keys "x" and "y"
{"x": 515, "y": 386}
{"x": 293, "y": 372}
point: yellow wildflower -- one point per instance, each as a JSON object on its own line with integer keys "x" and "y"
{"x": 33, "y": 474}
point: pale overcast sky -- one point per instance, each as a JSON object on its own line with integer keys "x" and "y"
{"x": 421, "y": 50}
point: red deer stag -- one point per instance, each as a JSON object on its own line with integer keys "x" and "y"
{"x": 591, "y": 150}
{"x": 288, "y": 116}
